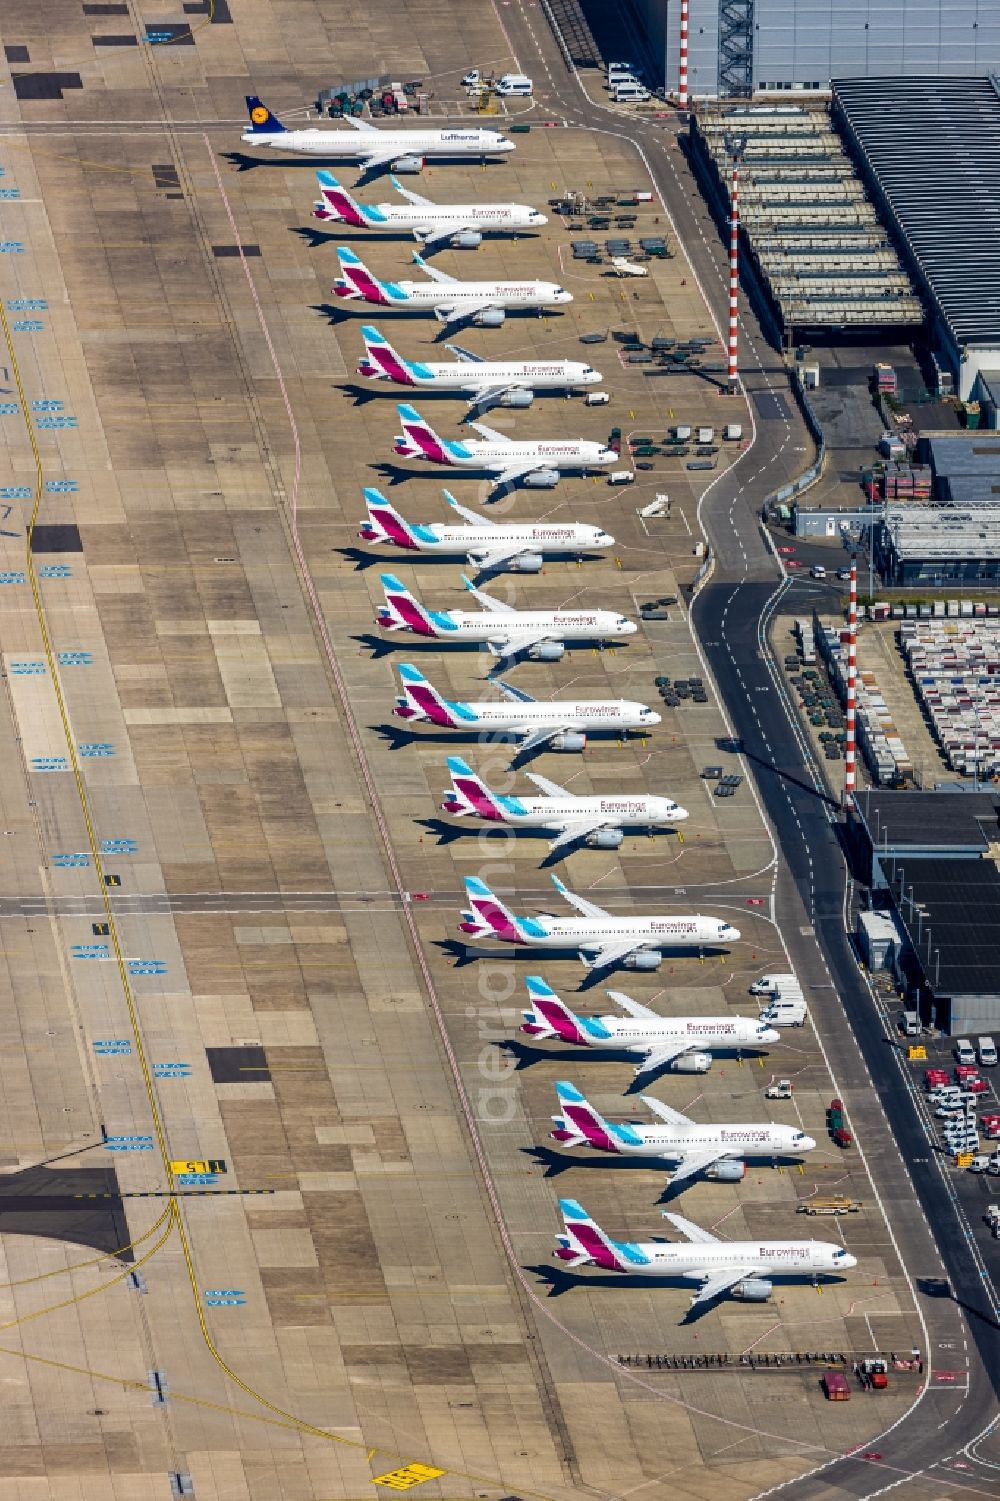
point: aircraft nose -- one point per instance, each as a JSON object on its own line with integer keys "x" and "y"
{"x": 848, "y": 1260}
{"x": 628, "y": 627}
{"x": 539, "y": 219}
{"x": 807, "y": 1144}
{"x": 770, "y": 1035}
{"x": 679, "y": 814}
{"x": 650, "y": 716}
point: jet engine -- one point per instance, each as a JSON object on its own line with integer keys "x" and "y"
{"x": 542, "y": 479}
{"x": 546, "y": 651}
{"x": 569, "y": 740}
{"x": 528, "y": 562}
{"x": 408, "y": 164}
{"x": 605, "y": 839}
{"x": 489, "y": 317}
{"x": 466, "y": 239}
{"x": 692, "y": 1063}
{"x": 753, "y": 1290}
{"x": 517, "y": 398}
{"x": 726, "y": 1171}
{"x": 644, "y": 959}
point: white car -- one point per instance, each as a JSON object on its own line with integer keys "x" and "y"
{"x": 817, "y": 571}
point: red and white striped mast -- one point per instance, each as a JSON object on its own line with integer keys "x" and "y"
{"x": 735, "y": 147}
{"x": 850, "y": 748}
{"x": 682, "y": 71}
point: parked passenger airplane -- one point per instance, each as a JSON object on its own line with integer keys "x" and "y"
{"x": 538, "y": 462}
{"x": 716, "y": 1151}
{"x": 602, "y": 939}
{"x": 371, "y": 145}
{"x": 744, "y": 1268}
{"x": 485, "y": 303}
{"x": 596, "y": 821}
{"x": 461, "y": 225}
{"x": 491, "y": 546}
{"x": 486, "y": 383}
{"x": 507, "y": 633}
{"x": 562, "y": 724}
{"x": 683, "y": 1043}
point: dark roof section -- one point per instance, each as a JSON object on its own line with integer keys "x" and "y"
{"x": 930, "y": 821}
{"x": 930, "y": 149}
{"x": 951, "y": 912}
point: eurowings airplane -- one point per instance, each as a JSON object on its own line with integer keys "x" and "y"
{"x": 563, "y": 725}
{"x": 484, "y": 303}
{"x": 683, "y": 1043}
{"x": 719, "y": 1152}
{"x": 485, "y": 383}
{"x": 369, "y": 145}
{"x": 744, "y": 1268}
{"x": 596, "y": 821}
{"x": 505, "y": 632}
{"x": 491, "y": 546}
{"x": 603, "y": 940}
{"x": 461, "y": 225}
{"x": 538, "y": 462}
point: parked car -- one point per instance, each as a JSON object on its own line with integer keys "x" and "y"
{"x": 817, "y": 571}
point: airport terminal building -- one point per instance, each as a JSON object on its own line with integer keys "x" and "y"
{"x": 739, "y": 47}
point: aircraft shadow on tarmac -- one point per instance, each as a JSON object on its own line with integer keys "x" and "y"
{"x": 556, "y": 1163}
{"x": 244, "y": 163}
{"x": 386, "y": 646}
{"x": 527, "y": 1054}
{"x": 464, "y": 954}
{"x": 397, "y": 737}
{"x": 447, "y": 833}
{"x": 559, "y": 1279}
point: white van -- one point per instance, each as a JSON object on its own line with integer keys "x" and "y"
{"x": 784, "y": 1014}
{"x": 770, "y": 984}
{"x": 987, "y": 1052}
{"x": 515, "y": 84}
{"x": 631, "y": 92}
{"x": 965, "y": 1052}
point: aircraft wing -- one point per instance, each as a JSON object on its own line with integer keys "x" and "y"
{"x": 376, "y": 157}
{"x": 665, "y": 1112}
{"x": 465, "y": 355}
{"x": 506, "y": 476}
{"x": 518, "y": 696}
{"x": 571, "y": 832}
{"x": 505, "y": 647}
{"x": 429, "y": 237}
{"x": 496, "y": 557}
{"x": 538, "y": 738}
{"x": 585, "y": 908}
{"x": 551, "y": 789}
{"x": 364, "y": 125}
{"x": 665, "y": 1053}
{"x": 485, "y": 397}
{"x": 492, "y": 436}
{"x": 434, "y": 273}
{"x": 495, "y": 606}
{"x": 719, "y": 1282}
{"x": 634, "y": 1008}
{"x": 473, "y": 516}
{"x": 693, "y": 1163}
{"x": 409, "y": 194}
{"x": 449, "y": 314}
{"x": 694, "y": 1233}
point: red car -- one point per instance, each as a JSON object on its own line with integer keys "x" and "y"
{"x": 842, "y": 1137}
{"x": 965, "y": 1071}
{"x": 975, "y": 1086}
{"x": 934, "y": 1076}
{"x": 784, "y": 550}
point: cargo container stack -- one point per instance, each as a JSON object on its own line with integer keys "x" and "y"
{"x": 955, "y": 665}
{"x": 877, "y": 737}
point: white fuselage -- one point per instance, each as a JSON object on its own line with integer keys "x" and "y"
{"x": 692, "y": 931}
{"x": 476, "y": 542}
{"x": 640, "y": 811}
{"x": 643, "y": 1035}
{"x": 782, "y": 1258}
{"x": 453, "y": 296}
{"x": 525, "y": 719}
{"x": 496, "y": 458}
{"x": 473, "y": 376}
{"x": 429, "y": 218}
{"x": 358, "y": 145}
{"x": 677, "y": 1142}
{"x": 483, "y": 625}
